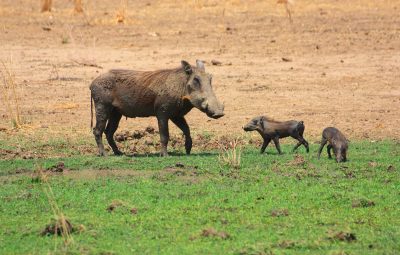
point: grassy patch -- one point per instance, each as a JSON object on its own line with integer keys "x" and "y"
{"x": 284, "y": 204}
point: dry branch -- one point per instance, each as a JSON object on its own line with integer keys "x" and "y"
{"x": 9, "y": 95}
{"x": 84, "y": 62}
{"x": 231, "y": 154}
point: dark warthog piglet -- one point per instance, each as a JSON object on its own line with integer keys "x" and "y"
{"x": 167, "y": 94}
{"x": 271, "y": 129}
{"x": 336, "y": 141}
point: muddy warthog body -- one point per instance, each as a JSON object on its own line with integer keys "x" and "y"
{"x": 167, "y": 94}
{"x": 336, "y": 141}
{"x": 273, "y": 130}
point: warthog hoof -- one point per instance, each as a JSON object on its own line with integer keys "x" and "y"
{"x": 118, "y": 153}
{"x": 164, "y": 154}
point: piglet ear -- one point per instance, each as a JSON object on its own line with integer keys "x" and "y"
{"x": 262, "y": 119}
{"x": 200, "y": 65}
{"x": 187, "y": 67}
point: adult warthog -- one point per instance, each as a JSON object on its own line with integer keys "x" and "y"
{"x": 167, "y": 94}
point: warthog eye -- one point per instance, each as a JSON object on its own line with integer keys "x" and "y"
{"x": 196, "y": 82}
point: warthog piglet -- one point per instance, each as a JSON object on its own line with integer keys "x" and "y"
{"x": 336, "y": 141}
{"x": 271, "y": 129}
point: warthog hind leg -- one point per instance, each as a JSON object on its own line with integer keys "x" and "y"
{"x": 323, "y": 142}
{"x": 112, "y": 126}
{"x": 164, "y": 134}
{"x": 328, "y": 148}
{"x": 102, "y": 115}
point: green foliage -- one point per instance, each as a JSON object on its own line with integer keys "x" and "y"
{"x": 280, "y": 204}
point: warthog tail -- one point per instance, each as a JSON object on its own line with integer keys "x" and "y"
{"x": 91, "y": 110}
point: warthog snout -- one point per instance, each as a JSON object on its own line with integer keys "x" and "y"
{"x": 248, "y": 128}
{"x": 218, "y": 115}
{"x": 251, "y": 126}
{"x": 214, "y": 112}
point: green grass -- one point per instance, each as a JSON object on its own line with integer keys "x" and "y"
{"x": 174, "y": 205}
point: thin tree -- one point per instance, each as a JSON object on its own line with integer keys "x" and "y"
{"x": 78, "y": 6}
{"x": 46, "y": 6}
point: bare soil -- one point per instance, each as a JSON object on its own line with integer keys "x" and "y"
{"x": 337, "y": 64}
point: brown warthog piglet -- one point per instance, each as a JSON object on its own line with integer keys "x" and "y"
{"x": 336, "y": 141}
{"x": 271, "y": 129}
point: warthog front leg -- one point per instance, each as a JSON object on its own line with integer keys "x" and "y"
{"x": 164, "y": 134}
{"x": 328, "y": 149}
{"x": 181, "y": 123}
{"x": 267, "y": 140}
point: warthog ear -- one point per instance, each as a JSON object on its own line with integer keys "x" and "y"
{"x": 187, "y": 67}
{"x": 200, "y": 65}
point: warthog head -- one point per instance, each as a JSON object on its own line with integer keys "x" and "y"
{"x": 340, "y": 150}
{"x": 200, "y": 92}
{"x": 256, "y": 123}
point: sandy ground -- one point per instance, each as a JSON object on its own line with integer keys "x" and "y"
{"x": 344, "y": 67}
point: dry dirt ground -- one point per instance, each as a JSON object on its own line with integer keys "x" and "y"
{"x": 343, "y": 68}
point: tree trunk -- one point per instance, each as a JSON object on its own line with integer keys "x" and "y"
{"x": 78, "y": 6}
{"x": 46, "y": 7}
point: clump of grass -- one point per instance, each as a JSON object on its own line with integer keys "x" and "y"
{"x": 65, "y": 40}
{"x": 9, "y": 95}
{"x": 61, "y": 226}
{"x": 231, "y": 154}
{"x": 121, "y": 14}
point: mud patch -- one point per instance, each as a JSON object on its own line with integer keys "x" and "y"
{"x": 58, "y": 168}
{"x": 13, "y": 154}
{"x": 17, "y": 172}
{"x": 58, "y": 227}
{"x": 362, "y": 203}
{"x": 114, "y": 204}
{"x": 279, "y": 213}
{"x": 87, "y": 174}
{"x": 298, "y": 160}
{"x": 391, "y": 168}
{"x": 212, "y": 233}
{"x": 147, "y": 141}
{"x": 286, "y": 244}
{"x": 343, "y": 236}
{"x": 180, "y": 172}
{"x": 372, "y": 164}
{"x": 126, "y": 207}
{"x": 348, "y": 173}
{"x": 106, "y": 173}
